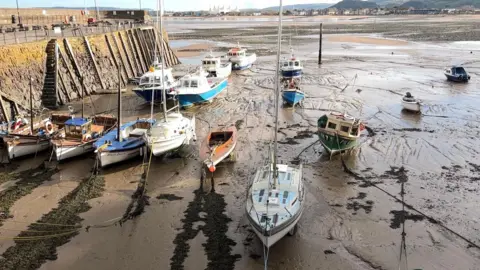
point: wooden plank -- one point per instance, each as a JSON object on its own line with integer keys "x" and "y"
{"x": 136, "y": 57}
{"x": 114, "y": 58}
{"x": 141, "y": 44}
{"x": 65, "y": 90}
{"x": 70, "y": 73}
{"x": 127, "y": 55}
{"x": 6, "y": 115}
{"x": 136, "y": 41}
{"x": 73, "y": 60}
{"x": 92, "y": 57}
{"x": 124, "y": 62}
{"x": 146, "y": 40}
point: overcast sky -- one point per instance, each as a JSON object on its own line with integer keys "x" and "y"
{"x": 177, "y": 5}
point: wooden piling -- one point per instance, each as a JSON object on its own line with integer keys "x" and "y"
{"x": 73, "y": 60}
{"x": 127, "y": 55}
{"x": 136, "y": 55}
{"x": 6, "y": 115}
{"x": 95, "y": 66}
{"x": 114, "y": 58}
{"x": 122, "y": 59}
{"x": 70, "y": 73}
{"x": 140, "y": 51}
{"x": 320, "y": 45}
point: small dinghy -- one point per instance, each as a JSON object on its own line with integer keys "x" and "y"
{"x": 291, "y": 93}
{"x": 456, "y": 74}
{"x": 218, "y": 146}
{"x": 409, "y": 103}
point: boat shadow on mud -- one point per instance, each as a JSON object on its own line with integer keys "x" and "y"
{"x": 206, "y": 208}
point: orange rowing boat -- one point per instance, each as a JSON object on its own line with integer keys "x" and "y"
{"x": 218, "y": 146}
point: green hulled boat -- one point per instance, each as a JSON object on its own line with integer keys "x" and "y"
{"x": 339, "y": 132}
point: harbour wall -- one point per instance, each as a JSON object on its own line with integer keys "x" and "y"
{"x": 62, "y": 69}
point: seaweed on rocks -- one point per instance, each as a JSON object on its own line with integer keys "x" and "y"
{"x": 28, "y": 181}
{"x": 31, "y": 254}
{"x": 218, "y": 246}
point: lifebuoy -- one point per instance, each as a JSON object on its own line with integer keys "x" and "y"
{"x": 49, "y": 127}
{"x": 86, "y": 137}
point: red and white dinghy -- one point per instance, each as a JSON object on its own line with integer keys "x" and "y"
{"x": 218, "y": 146}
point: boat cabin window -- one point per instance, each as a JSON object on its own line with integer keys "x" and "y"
{"x": 297, "y": 64}
{"x": 285, "y": 64}
{"x": 344, "y": 129}
{"x": 75, "y": 130}
{"x": 354, "y": 131}
{"x": 459, "y": 70}
{"x": 186, "y": 83}
{"x": 332, "y": 125}
{"x": 194, "y": 83}
{"x": 290, "y": 64}
{"x": 447, "y": 70}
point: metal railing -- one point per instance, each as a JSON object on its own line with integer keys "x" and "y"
{"x": 18, "y": 37}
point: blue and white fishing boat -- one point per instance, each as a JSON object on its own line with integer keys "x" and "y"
{"x": 291, "y": 67}
{"x": 152, "y": 82}
{"x": 456, "y": 74}
{"x": 110, "y": 149}
{"x": 195, "y": 89}
{"x": 291, "y": 93}
{"x": 240, "y": 58}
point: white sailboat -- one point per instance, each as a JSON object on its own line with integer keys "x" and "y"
{"x": 174, "y": 130}
{"x": 276, "y": 197}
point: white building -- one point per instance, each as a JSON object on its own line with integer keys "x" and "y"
{"x": 222, "y": 10}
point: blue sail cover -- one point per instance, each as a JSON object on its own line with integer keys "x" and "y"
{"x": 76, "y": 121}
{"x": 128, "y": 143}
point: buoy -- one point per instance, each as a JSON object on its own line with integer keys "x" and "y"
{"x": 49, "y": 127}
{"x": 211, "y": 168}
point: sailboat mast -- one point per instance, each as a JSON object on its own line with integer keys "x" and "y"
{"x": 119, "y": 119}
{"x": 164, "y": 94}
{"x": 154, "y": 81}
{"x": 277, "y": 88}
{"x": 31, "y": 106}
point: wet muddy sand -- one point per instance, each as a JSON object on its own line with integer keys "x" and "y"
{"x": 353, "y": 217}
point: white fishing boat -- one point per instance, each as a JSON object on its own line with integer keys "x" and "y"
{"x": 410, "y": 103}
{"x": 216, "y": 67}
{"x": 174, "y": 130}
{"x": 276, "y": 197}
{"x": 151, "y": 85}
{"x": 240, "y": 58}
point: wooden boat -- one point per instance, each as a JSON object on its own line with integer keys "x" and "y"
{"x": 291, "y": 93}
{"x": 339, "y": 132}
{"x": 409, "y": 103}
{"x": 456, "y": 74}
{"x": 79, "y": 135}
{"x": 218, "y": 146}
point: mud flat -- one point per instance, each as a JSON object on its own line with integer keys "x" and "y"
{"x": 351, "y": 221}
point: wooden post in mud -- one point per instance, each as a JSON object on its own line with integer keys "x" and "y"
{"x": 320, "y": 45}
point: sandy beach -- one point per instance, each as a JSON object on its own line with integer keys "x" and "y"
{"x": 352, "y": 219}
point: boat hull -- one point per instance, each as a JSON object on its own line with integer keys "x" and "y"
{"x": 272, "y": 239}
{"x": 146, "y": 94}
{"x": 187, "y": 100}
{"x": 107, "y": 158}
{"x": 335, "y": 144}
{"x": 292, "y": 73}
{"x": 239, "y": 67}
{"x": 162, "y": 147}
{"x": 222, "y": 72}
{"x": 21, "y": 150}
{"x": 66, "y": 152}
{"x": 243, "y": 63}
{"x": 292, "y": 97}
{"x": 411, "y": 106}
{"x": 457, "y": 78}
